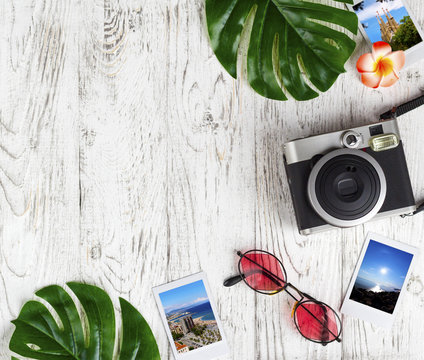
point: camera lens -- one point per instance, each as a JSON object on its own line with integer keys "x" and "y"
{"x": 351, "y": 139}
{"x": 347, "y": 187}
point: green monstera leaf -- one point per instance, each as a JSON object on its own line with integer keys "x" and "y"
{"x": 39, "y": 336}
{"x": 289, "y": 39}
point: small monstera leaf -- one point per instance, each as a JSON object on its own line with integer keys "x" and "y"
{"x": 39, "y": 336}
{"x": 288, "y": 39}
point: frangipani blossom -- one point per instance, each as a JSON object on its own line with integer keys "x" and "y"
{"x": 381, "y": 68}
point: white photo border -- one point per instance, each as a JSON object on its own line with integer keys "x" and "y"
{"x": 413, "y": 54}
{"x": 206, "y": 352}
{"x": 368, "y": 313}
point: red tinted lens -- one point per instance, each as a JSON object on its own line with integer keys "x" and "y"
{"x": 317, "y": 322}
{"x": 262, "y": 271}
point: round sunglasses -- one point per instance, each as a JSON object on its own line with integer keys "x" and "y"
{"x": 264, "y": 273}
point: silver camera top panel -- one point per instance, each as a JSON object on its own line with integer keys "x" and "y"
{"x": 356, "y": 138}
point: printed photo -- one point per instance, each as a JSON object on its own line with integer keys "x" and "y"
{"x": 381, "y": 276}
{"x": 190, "y": 317}
{"x": 388, "y": 21}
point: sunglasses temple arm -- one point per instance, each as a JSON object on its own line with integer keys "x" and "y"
{"x": 233, "y": 280}
{"x": 309, "y": 296}
{"x": 237, "y": 278}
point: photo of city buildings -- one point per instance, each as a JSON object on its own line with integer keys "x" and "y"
{"x": 190, "y": 317}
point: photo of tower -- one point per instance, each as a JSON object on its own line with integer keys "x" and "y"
{"x": 186, "y": 324}
{"x": 388, "y": 21}
{"x": 387, "y": 29}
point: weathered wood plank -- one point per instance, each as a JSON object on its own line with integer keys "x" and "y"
{"x": 38, "y": 153}
{"x": 124, "y": 151}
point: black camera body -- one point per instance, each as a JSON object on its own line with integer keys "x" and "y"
{"x": 346, "y": 178}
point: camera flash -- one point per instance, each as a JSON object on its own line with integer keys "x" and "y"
{"x": 384, "y": 142}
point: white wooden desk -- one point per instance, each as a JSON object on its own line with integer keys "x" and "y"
{"x": 129, "y": 157}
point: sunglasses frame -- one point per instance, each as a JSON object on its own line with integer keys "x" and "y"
{"x": 304, "y": 298}
{"x": 242, "y": 255}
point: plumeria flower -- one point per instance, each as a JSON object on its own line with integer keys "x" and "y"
{"x": 381, "y": 68}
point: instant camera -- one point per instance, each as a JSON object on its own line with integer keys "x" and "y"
{"x": 346, "y": 178}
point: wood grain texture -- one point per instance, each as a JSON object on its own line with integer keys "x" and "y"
{"x": 129, "y": 158}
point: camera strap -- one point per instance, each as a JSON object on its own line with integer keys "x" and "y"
{"x": 419, "y": 209}
{"x": 398, "y": 111}
{"x": 403, "y": 109}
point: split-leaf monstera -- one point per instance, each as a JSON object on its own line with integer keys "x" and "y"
{"x": 288, "y": 39}
{"x": 39, "y": 336}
